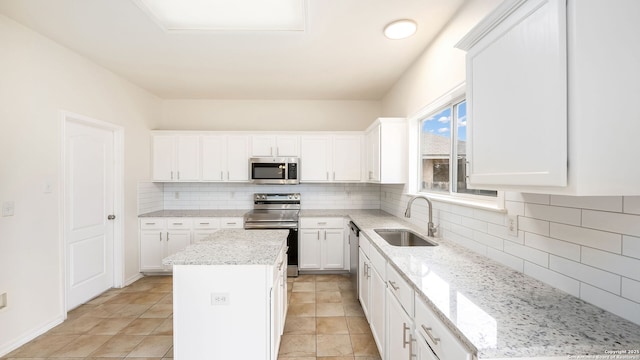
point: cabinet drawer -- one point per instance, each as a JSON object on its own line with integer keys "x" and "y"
{"x": 206, "y": 223}
{"x": 231, "y": 223}
{"x": 179, "y": 223}
{"x": 152, "y": 224}
{"x": 321, "y": 223}
{"x": 400, "y": 288}
{"x": 378, "y": 261}
{"x": 437, "y": 334}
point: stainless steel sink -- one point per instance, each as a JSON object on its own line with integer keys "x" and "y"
{"x": 403, "y": 237}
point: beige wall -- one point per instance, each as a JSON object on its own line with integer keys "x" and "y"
{"x": 40, "y": 78}
{"x": 440, "y": 68}
{"x": 294, "y": 115}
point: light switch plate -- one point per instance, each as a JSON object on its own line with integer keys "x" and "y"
{"x": 8, "y": 208}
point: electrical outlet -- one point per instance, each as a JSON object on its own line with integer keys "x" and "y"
{"x": 219, "y": 299}
{"x": 512, "y": 225}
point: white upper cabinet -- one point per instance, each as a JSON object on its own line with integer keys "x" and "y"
{"x": 548, "y": 95}
{"x": 331, "y": 158}
{"x": 386, "y": 151}
{"x": 275, "y": 145}
{"x": 225, "y": 158}
{"x": 176, "y": 158}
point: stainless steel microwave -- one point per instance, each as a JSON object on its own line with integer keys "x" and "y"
{"x": 274, "y": 170}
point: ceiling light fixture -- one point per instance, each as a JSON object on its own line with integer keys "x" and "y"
{"x": 400, "y": 29}
{"x": 225, "y": 15}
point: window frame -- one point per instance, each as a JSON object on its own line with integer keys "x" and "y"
{"x": 449, "y": 99}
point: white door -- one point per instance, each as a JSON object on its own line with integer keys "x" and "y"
{"x": 89, "y": 200}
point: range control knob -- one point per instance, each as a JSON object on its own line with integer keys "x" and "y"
{"x": 290, "y": 196}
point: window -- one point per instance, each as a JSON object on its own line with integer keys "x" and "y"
{"x": 443, "y": 136}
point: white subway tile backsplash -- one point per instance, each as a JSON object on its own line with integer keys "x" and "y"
{"x": 590, "y": 275}
{"x": 615, "y": 222}
{"x": 514, "y": 207}
{"x": 552, "y": 246}
{"x": 475, "y": 224}
{"x": 553, "y": 213}
{"x": 491, "y": 217}
{"x": 461, "y": 230}
{"x": 466, "y": 242}
{"x": 505, "y": 259}
{"x": 623, "y": 265}
{"x": 631, "y": 246}
{"x": 535, "y": 226}
{"x": 489, "y": 240}
{"x": 618, "y": 305}
{"x": 528, "y": 198}
{"x": 631, "y": 289}
{"x": 632, "y": 205}
{"x": 502, "y": 232}
{"x": 588, "y": 237}
{"x": 562, "y": 282}
{"x": 604, "y": 203}
{"x": 536, "y": 256}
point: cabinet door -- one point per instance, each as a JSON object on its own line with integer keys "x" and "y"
{"x": 238, "y": 158}
{"x": 399, "y": 329}
{"x": 517, "y": 99}
{"x": 151, "y": 250}
{"x": 347, "y": 161}
{"x": 214, "y": 157}
{"x": 363, "y": 282}
{"x": 287, "y": 145}
{"x": 373, "y": 154}
{"x": 163, "y": 157}
{"x": 315, "y": 158}
{"x": 424, "y": 351}
{"x": 309, "y": 249}
{"x": 377, "y": 308}
{"x": 188, "y": 158}
{"x": 333, "y": 241}
{"x": 177, "y": 240}
{"x": 263, "y": 145}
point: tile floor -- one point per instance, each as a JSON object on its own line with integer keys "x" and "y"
{"x": 324, "y": 322}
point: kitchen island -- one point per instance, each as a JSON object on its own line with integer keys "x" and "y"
{"x": 229, "y": 295}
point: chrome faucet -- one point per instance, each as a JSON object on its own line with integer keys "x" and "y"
{"x": 431, "y": 229}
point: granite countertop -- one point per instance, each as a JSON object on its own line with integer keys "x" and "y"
{"x": 195, "y": 213}
{"x": 498, "y": 311}
{"x": 233, "y": 247}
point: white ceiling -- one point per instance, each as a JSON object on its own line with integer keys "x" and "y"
{"x": 341, "y": 55}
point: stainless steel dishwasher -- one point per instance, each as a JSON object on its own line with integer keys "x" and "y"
{"x": 354, "y": 243}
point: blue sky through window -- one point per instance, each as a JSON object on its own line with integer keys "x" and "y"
{"x": 440, "y": 123}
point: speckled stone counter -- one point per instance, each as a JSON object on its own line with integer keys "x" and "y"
{"x": 195, "y": 213}
{"x": 233, "y": 247}
{"x": 496, "y": 310}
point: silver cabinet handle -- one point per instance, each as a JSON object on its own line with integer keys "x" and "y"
{"x": 393, "y": 285}
{"x": 149, "y": 223}
{"x": 231, "y": 223}
{"x": 178, "y": 175}
{"x": 221, "y": 175}
{"x": 404, "y": 335}
{"x": 327, "y": 175}
{"x": 322, "y": 223}
{"x": 325, "y": 235}
{"x": 161, "y": 236}
{"x": 172, "y": 175}
{"x": 167, "y": 236}
{"x": 430, "y": 335}
{"x": 318, "y": 235}
{"x": 177, "y": 223}
{"x": 366, "y": 270}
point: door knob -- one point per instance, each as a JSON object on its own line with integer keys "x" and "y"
{"x": 111, "y": 217}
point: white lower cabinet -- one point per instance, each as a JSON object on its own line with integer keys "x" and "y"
{"x": 440, "y": 339}
{"x": 371, "y": 290}
{"x": 399, "y": 330}
{"x": 322, "y": 244}
{"x": 278, "y": 303}
{"x": 160, "y": 238}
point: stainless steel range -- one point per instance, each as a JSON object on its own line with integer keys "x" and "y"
{"x": 277, "y": 211}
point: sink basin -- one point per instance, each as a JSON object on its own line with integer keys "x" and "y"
{"x": 403, "y": 237}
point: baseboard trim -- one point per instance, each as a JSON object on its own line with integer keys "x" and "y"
{"x": 133, "y": 279}
{"x": 7, "y": 348}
